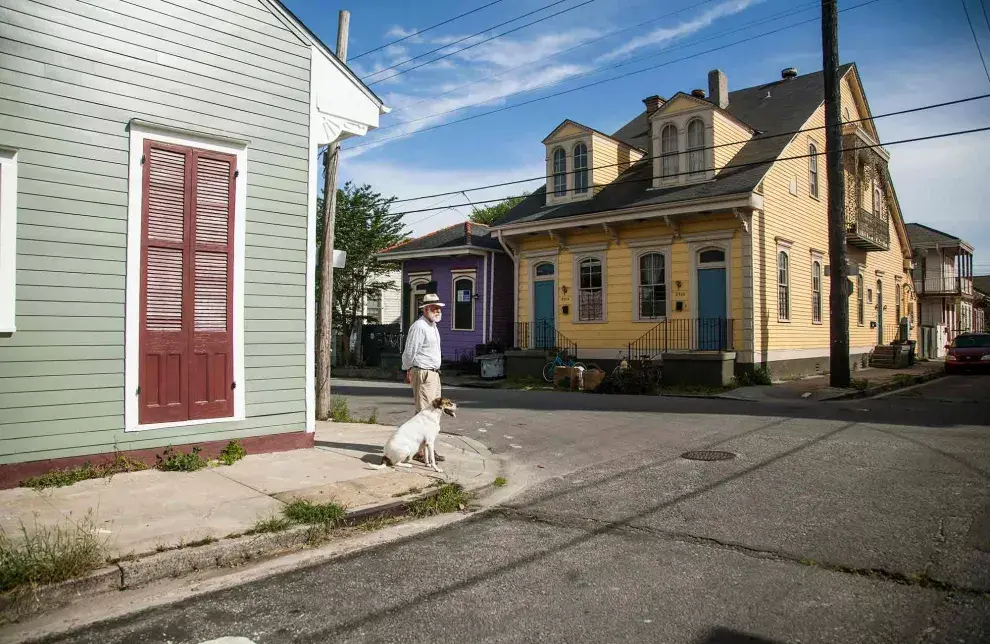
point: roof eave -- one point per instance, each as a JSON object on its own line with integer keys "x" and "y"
{"x": 398, "y": 256}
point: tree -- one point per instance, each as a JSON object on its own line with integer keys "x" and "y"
{"x": 490, "y": 215}
{"x": 364, "y": 226}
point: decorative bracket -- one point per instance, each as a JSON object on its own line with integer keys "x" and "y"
{"x": 611, "y": 232}
{"x": 673, "y": 225}
{"x": 561, "y": 244}
{"x": 741, "y": 216}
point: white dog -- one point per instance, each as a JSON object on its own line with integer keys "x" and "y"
{"x": 421, "y": 429}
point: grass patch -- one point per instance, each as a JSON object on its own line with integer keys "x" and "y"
{"x": 450, "y": 497}
{"x": 50, "y": 554}
{"x": 270, "y": 524}
{"x": 860, "y": 384}
{"x": 374, "y": 524}
{"x": 759, "y": 376}
{"x": 173, "y": 460}
{"x": 303, "y": 511}
{"x": 232, "y": 453}
{"x": 500, "y": 481}
{"x": 340, "y": 413}
{"x": 67, "y": 476}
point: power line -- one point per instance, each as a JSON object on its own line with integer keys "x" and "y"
{"x": 545, "y": 58}
{"x": 976, "y": 40}
{"x": 791, "y": 133}
{"x": 598, "y": 70}
{"x": 456, "y": 42}
{"x": 423, "y": 31}
{"x": 983, "y": 5}
{"x": 748, "y": 164}
{"x": 603, "y": 81}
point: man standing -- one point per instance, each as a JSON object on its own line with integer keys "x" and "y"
{"x": 421, "y": 358}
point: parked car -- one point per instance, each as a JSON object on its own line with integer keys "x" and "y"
{"x": 968, "y": 351}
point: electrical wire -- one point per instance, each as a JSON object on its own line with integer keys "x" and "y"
{"x": 749, "y": 164}
{"x": 423, "y": 31}
{"x": 976, "y": 40}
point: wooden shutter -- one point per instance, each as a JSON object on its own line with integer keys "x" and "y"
{"x": 164, "y": 338}
{"x": 211, "y": 370}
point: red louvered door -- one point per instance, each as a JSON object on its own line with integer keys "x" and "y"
{"x": 186, "y": 345}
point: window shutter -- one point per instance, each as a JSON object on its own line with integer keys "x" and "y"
{"x": 211, "y": 369}
{"x": 163, "y": 349}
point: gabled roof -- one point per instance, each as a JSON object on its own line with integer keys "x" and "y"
{"x": 982, "y": 283}
{"x": 922, "y": 235}
{"x": 704, "y": 102}
{"x": 465, "y": 236}
{"x": 583, "y": 127}
{"x": 771, "y": 109}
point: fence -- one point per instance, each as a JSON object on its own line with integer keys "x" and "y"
{"x": 378, "y": 339}
{"x": 543, "y": 335}
{"x": 686, "y": 334}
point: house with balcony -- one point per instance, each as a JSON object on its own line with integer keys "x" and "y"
{"x": 696, "y": 234}
{"x": 943, "y": 280}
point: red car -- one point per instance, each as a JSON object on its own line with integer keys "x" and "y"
{"x": 968, "y": 351}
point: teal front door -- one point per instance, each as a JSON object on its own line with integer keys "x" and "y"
{"x": 543, "y": 314}
{"x": 711, "y": 309}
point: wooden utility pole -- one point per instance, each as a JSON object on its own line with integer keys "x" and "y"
{"x": 331, "y": 159}
{"x": 838, "y": 281}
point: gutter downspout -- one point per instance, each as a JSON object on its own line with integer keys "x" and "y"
{"x": 515, "y": 288}
{"x": 484, "y": 309}
{"x": 491, "y": 299}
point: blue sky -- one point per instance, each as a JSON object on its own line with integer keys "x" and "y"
{"x": 909, "y": 52}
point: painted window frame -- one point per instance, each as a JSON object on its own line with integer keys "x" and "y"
{"x": 578, "y": 260}
{"x": 814, "y": 187}
{"x": 415, "y": 280}
{"x": 784, "y": 312}
{"x": 559, "y": 174}
{"x": 663, "y": 251}
{"x": 581, "y": 173}
{"x": 898, "y": 309}
{"x": 817, "y": 295}
{"x": 8, "y": 240}
{"x": 456, "y": 276}
{"x": 669, "y": 157}
{"x": 695, "y": 152}
{"x": 860, "y": 300}
{"x": 139, "y": 133}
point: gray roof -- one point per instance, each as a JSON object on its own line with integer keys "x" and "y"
{"x": 465, "y": 235}
{"x": 790, "y": 104}
{"x": 922, "y": 235}
{"x": 982, "y": 283}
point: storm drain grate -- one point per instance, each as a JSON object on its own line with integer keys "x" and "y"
{"x": 708, "y": 455}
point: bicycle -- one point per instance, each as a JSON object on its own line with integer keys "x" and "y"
{"x": 651, "y": 372}
{"x": 551, "y": 365}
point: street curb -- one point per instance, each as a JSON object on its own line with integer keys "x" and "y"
{"x": 869, "y": 392}
{"x": 230, "y": 552}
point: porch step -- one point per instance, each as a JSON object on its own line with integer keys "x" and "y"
{"x": 888, "y": 357}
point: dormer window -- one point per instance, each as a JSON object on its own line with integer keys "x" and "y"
{"x": 559, "y": 173}
{"x": 668, "y": 152}
{"x": 580, "y": 168}
{"x": 696, "y": 146}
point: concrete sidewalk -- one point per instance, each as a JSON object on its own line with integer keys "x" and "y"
{"x": 145, "y": 512}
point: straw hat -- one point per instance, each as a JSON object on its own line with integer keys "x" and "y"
{"x": 431, "y": 298}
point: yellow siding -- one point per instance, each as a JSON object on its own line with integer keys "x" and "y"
{"x": 679, "y": 104}
{"x": 610, "y": 158}
{"x": 568, "y": 130}
{"x": 726, "y": 134}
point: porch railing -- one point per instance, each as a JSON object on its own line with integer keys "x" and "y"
{"x": 543, "y": 335}
{"x": 938, "y": 285}
{"x": 683, "y": 334}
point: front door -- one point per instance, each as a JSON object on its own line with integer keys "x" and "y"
{"x": 711, "y": 309}
{"x": 879, "y": 312}
{"x": 543, "y": 313}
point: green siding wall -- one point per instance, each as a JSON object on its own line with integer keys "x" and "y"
{"x": 73, "y": 75}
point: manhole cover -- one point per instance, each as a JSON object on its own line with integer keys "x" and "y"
{"x": 708, "y": 455}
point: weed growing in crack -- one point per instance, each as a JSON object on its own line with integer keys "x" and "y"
{"x": 500, "y": 481}
{"x": 451, "y": 497}
{"x": 50, "y": 554}
{"x": 304, "y": 511}
{"x": 67, "y": 476}
{"x": 270, "y": 524}
{"x": 232, "y": 453}
{"x": 173, "y": 460}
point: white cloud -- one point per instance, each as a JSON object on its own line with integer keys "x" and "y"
{"x": 398, "y": 31}
{"x": 663, "y": 35}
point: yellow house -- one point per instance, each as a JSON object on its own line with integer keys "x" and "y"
{"x": 699, "y": 231}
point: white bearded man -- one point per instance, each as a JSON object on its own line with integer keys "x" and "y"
{"x": 421, "y": 358}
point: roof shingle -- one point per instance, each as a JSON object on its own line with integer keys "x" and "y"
{"x": 459, "y": 235}
{"x": 921, "y": 234}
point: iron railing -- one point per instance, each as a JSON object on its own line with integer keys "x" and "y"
{"x": 891, "y": 333}
{"x": 541, "y": 334}
{"x": 939, "y": 285}
{"x": 683, "y": 334}
{"x": 867, "y": 230}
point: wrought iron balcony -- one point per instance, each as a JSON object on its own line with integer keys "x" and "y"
{"x": 939, "y": 285}
{"x": 867, "y": 230}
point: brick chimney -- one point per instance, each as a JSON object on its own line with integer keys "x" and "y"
{"x": 718, "y": 88}
{"x": 653, "y": 103}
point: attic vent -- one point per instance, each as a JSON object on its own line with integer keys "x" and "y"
{"x": 788, "y": 73}
{"x": 698, "y": 93}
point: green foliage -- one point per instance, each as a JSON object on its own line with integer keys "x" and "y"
{"x": 68, "y": 476}
{"x": 630, "y": 381}
{"x": 490, "y": 215}
{"x": 500, "y": 481}
{"x": 303, "y": 511}
{"x": 451, "y": 497}
{"x": 271, "y": 524}
{"x": 759, "y": 376}
{"x": 232, "y": 453}
{"x": 50, "y": 554}
{"x": 340, "y": 413}
{"x": 173, "y": 460}
{"x": 363, "y": 226}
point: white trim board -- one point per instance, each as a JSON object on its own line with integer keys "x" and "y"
{"x": 139, "y": 132}
{"x": 776, "y": 355}
{"x": 8, "y": 240}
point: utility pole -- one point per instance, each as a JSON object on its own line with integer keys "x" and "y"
{"x": 838, "y": 281}
{"x": 325, "y": 312}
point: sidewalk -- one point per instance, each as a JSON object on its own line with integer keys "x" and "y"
{"x": 871, "y": 382}
{"x": 142, "y": 513}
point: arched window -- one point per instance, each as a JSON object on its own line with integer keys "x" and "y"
{"x": 696, "y": 146}
{"x": 711, "y": 256}
{"x": 652, "y": 286}
{"x": 877, "y": 198}
{"x": 816, "y": 292}
{"x": 559, "y": 173}
{"x": 580, "y": 168}
{"x": 860, "y": 300}
{"x": 813, "y": 170}
{"x": 464, "y": 303}
{"x": 591, "y": 301}
{"x": 668, "y": 151}
{"x": 783, "y": 287}
{"x": 544, "y": 269}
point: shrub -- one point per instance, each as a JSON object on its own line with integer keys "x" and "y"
{"x": 173, "y": 460}
{"x": 232, "y": 453}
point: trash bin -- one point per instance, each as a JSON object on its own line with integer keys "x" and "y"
{"x": 911, "y": 344}
{"x": 492, "y": 366}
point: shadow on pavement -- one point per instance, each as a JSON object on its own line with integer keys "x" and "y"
{"x": 726, "y": 636}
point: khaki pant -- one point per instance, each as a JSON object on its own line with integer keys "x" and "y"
{"x": 426, "y": 388}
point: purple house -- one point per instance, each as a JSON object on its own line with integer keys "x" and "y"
{"x": 468, "y": 269}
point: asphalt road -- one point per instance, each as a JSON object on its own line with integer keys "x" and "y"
{"x": 860, "y": 521}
